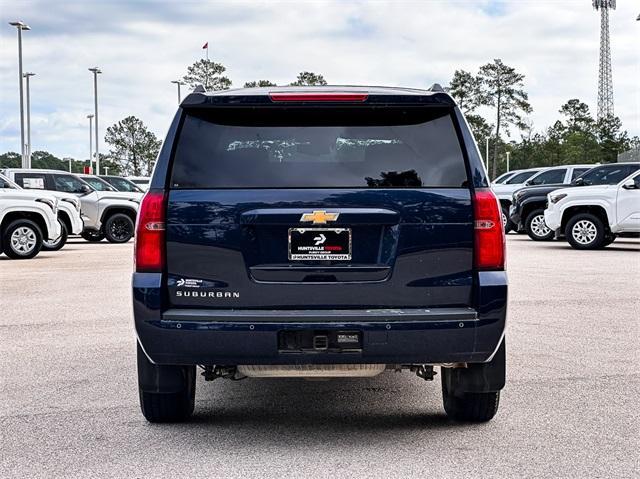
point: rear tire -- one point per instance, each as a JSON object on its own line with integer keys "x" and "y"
{"x": 21, "y": 239}
{"x": 174, "y": 406}
{"x": 92, "y": 236}
{"x": 118, "y": 228}
{"x": 585, "y": 231}
{"x": 536, "y": 228}
{"x": 59, "y": 243}
{"x": 470, "y": 407}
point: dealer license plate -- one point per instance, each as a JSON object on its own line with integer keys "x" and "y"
{"x": 319, "y": 244}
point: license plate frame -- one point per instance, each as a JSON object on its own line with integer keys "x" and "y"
{"x": 333, "y": 238}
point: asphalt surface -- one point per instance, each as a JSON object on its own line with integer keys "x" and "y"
{"x": 69, "y": 406}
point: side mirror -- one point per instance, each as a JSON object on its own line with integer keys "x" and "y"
{"x": 630, "y": 185}
{"x": 528, "y": 183}
{"x": 578, "y": 182}
{"x": 85, "y": 189}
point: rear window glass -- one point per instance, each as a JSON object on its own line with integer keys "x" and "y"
{"x": 318, "y": 148}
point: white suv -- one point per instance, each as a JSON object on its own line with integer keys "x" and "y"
{"x": 591, "y": 217}
{"x": 26, "y": 220}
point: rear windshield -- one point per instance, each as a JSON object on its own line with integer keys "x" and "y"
{"x": 319, "y": 148}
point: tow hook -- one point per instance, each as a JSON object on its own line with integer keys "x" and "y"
{"x": 424, "y": 371}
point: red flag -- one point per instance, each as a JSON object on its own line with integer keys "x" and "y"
{"x": 206, "y": 45}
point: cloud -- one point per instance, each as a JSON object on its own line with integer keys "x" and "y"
{"x": 141, "y": 46}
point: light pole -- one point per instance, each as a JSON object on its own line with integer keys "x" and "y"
{"x": 178, "y": 82}
{"x": 96, "y": 71}
{"x": 486, "y": 153}
{"x": 90, "y": 142}
{"x": 26, "y": 76}
{"x": 508, "y": 154}
{"x": 106, "y": 170}
{"x": 68, "y": 158}
{"x": 21, "y": 26}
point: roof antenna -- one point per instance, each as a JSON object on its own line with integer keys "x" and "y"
{"x": 436, "y": 87}
{"x": 199, "y": 89}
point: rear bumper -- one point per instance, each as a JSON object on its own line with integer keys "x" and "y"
{"x": 405, "y": 336}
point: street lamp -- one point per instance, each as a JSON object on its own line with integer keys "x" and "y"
{"x": 178, "y": 82}
{"x": 26, "y": 76}
{"x": 90, "y": 142}
{"x": 96, "y": 71}
{"x": 21, "y": 26}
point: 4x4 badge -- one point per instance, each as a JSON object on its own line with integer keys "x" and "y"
{"x": 319, "y": 217}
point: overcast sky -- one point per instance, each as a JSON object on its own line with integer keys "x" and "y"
{"x": 142, "y": 45}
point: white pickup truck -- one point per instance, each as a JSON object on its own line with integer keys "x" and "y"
{"x": 26, "y": 220}
{"x": 591, "y": 217}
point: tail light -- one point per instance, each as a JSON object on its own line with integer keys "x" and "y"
{"x": 489, "y": 233}
{"x": 319, "y": 96}
{"x": 150, "y": 254}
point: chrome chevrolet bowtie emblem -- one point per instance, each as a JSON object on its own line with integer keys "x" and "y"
{"x": 319, "y": 217}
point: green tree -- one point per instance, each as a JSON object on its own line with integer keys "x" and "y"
{"x": 611, "y": 138}
{"x": 580, "y": 144}
{"x": 577, "y": 114}
{"x": 466, "y": 89}
{"x": 133, "y": 146}
{"x": 502, "y": 88}
{"x": 208, "y": 74}
{"x": 259, "y": 83}
{"x": 309, "y": 79}
{"x": 10, "y": 159}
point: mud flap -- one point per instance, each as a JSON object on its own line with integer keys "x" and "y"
{"x": 478, "y": 377}
{"x": 154, "y": 378}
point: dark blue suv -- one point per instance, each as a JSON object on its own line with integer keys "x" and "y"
{"x": 319, "y": 232}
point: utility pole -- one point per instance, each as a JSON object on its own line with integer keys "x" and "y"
{"x": 178, "y": 82}
{"x": 486, "y": 154}
{"x": 90, "y": 142}
{"x": 96, "y": 71}
{"x": 21, "y": 26}
{"x": 26, "y": 76}
{"x": 605, "y": 77}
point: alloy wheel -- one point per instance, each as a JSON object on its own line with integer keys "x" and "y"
{"x": 120, "y": 229}
{"x": 539, "y": 227}
{"x": 584, "y": 232}
{"x": 23, "y": 240}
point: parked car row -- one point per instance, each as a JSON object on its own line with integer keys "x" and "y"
{"x": 606, "y": 204}
{"x": 94, "y": 207}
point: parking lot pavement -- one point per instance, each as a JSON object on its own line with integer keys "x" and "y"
{"x": 68, "y": 395}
